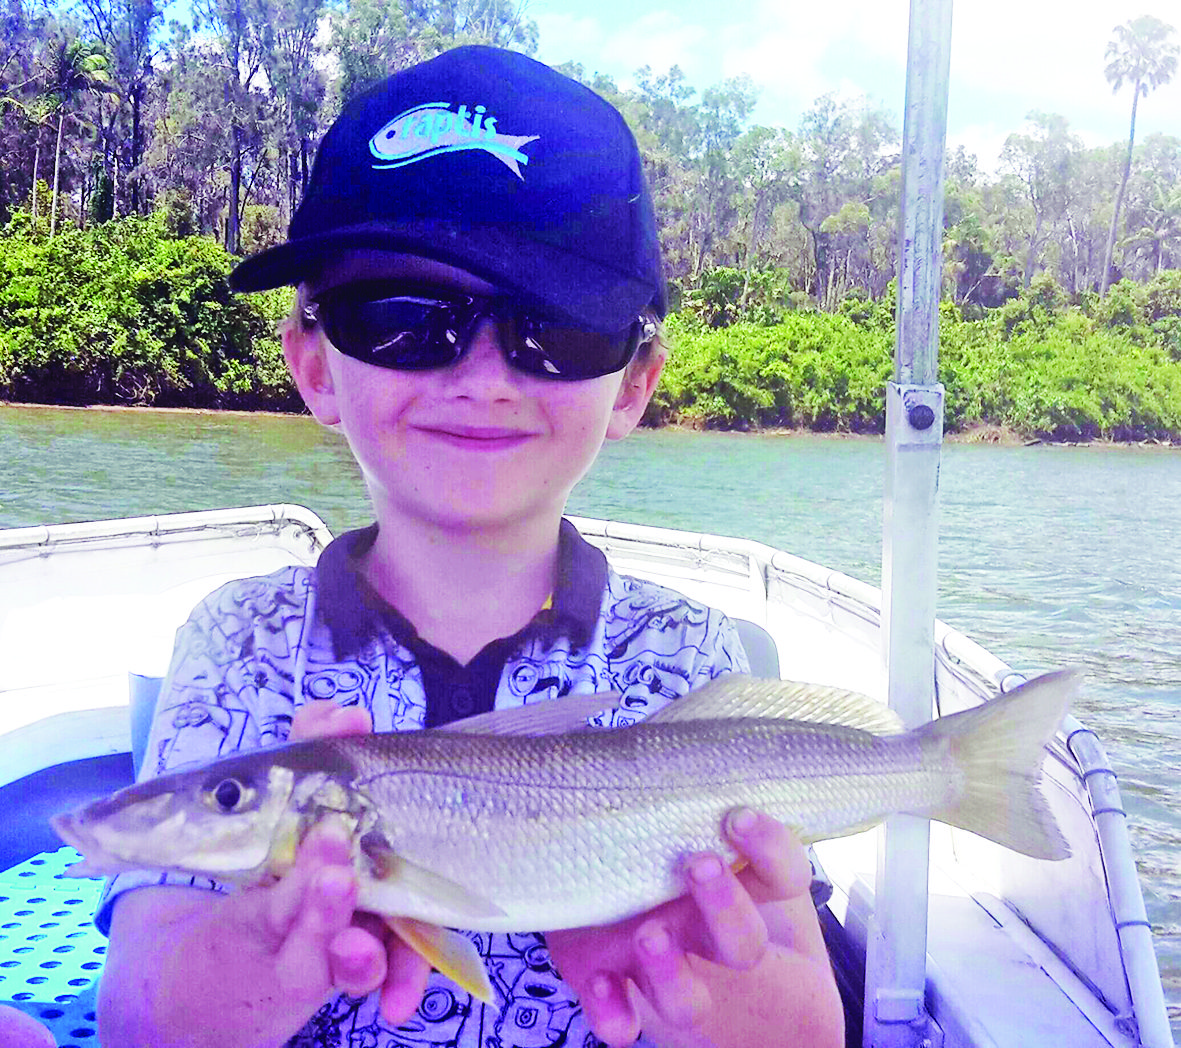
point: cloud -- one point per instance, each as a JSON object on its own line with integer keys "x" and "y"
{"x": 1055, "y": 63}
{"x": 983, "y": 141}
{"x": 1008, "y": 57}
{"x": 659, "y": 39}
{"x": 799, "y": 51}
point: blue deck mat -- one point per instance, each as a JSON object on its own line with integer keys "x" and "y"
{"x": 50, "y": 951}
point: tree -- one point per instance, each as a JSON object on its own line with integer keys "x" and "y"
{"x": 501, "y": 23}
{"x": 1158, "y": 230}
{"x": 244, "y": 31}
{"x": 1043, "y": 161}
{"x": 371, "y": 39}
{"x": 76, "y": 69}
{"x": 128, "y": 30}
{"x": 766, "y": 164}
{"x": 846, "y": 150}
{"x": 1141, "y": 55}
{"x": 298, "y": 88}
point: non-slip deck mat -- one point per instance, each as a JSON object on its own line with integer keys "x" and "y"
{"x": 50, "y": 952}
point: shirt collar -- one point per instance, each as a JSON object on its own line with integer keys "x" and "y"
{"x": 356, "y": 614}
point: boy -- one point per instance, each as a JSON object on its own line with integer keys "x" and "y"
{"x": 479, "y": 291}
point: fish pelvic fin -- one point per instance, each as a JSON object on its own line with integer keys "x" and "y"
{"x": 737, "y": 695}
{"x": 449, "y": 952}
{"x": 1000, "y": 747}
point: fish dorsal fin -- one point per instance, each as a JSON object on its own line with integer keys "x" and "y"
{"x": 739, "y": 695}
{"x": 550, "y": 717}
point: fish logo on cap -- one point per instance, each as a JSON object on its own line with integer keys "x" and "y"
{"x": 434, "y": 128}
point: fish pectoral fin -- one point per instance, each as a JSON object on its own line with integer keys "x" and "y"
{"x": 550, "y": 717}
{"x": 450, "y": 952}
{"x": 389, "y": 870}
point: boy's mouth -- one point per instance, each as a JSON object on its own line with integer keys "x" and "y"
{"x": 479, "y": 438}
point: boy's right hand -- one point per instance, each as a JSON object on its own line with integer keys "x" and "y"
{"x": 188, "y": 967}
{"x": 366, "y": 954}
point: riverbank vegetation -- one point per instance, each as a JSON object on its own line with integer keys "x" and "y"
{"x": 140, "y": 157}
{"x": 126, "y": 313}
{"x": 1041, "y": 365}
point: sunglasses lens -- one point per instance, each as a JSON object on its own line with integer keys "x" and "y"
{"x": 407, "y": 333}
{"x": 415, "y": 332}
{"x": 555, "y": 351}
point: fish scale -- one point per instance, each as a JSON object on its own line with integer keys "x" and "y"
{"x": 557, "y": 811}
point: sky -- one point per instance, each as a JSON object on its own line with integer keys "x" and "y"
{"x": 1008, "y": 57}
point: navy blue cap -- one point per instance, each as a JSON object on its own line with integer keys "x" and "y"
{"x": 490, "y": 161}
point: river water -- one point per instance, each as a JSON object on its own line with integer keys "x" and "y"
{"x": 1048, "y": 555}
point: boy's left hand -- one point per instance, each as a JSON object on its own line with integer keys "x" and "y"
{"x": 726, "y": 918}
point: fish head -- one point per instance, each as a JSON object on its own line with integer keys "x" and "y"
{"x": 237, "y": 820}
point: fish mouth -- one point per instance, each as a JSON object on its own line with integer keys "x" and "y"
{"x": 96, "y": 861}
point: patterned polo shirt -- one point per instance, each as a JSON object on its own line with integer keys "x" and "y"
{"x": 257, "y": 649}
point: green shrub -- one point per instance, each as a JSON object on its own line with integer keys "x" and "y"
{"x": 1056, "y": 376}
{"x": 812, "y": 370}
{"x": 125, "y": 313}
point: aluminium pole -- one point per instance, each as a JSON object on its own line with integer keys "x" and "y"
{"x": 895, "y": 978}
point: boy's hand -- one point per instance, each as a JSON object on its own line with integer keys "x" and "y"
{"x": 364, "y": 954}
{"x": 726, "y": 919}
{"x": 254, "y": 964}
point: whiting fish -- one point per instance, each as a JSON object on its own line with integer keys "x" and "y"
{"x": 526, "y": 819}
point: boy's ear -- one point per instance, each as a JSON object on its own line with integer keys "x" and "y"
{"x": 639, "y": 383}
{"x": 307, "y": 359}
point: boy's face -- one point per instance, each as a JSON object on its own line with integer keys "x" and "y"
{"x": 471, "y": 445}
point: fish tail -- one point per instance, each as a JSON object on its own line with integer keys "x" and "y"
{"x": 999, "y": 747}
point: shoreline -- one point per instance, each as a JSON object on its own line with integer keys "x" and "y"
{"x": 999, "y": 436}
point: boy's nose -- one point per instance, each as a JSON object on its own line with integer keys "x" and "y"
{"x": 483, "y": 370}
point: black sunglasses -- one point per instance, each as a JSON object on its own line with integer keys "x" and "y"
{"x": 411, "y": 327}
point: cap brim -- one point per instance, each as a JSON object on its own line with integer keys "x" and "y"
{"x": 543, "y": 275}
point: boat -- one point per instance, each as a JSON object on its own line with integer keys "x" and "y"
{"x": 1019, "y": 952}
{"x": 939, "y": 939}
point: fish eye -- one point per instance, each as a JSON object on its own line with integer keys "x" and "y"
{"x": 229, "y": 795}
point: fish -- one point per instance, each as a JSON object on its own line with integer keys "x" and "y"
{"x": 528, "y": 819}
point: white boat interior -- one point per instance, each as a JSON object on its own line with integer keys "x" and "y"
{"x": 1020, "y": 951}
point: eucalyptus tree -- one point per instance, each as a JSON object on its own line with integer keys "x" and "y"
{"x": 664, "y": 118}
{"x": 130, "y": 32}
{"x": 76, "y": 69}
{"x": 724, "y": 110}
{"x": 1042, "y": 159}
{"x": 242, "y": 40}
{"x": 1143, "y": 56}
{"x": 846, "y": 147}
{"x": 766, "y": 163}
{"x": 298, "y": 86}
{"x": 502, "y": 23}
{"x": 187, "y": 156}
{"x": 369, "y": 39}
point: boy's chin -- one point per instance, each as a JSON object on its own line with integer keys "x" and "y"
{"x": 476, "y": 515}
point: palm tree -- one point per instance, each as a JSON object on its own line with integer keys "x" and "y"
{"x": 74, "y": 69}
{"x": 1141, "y": 55}
{"x": 1160, "y": 225}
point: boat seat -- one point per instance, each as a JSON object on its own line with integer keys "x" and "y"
{"x": 143, "y": 692}
{"x": 760, "y": 649}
